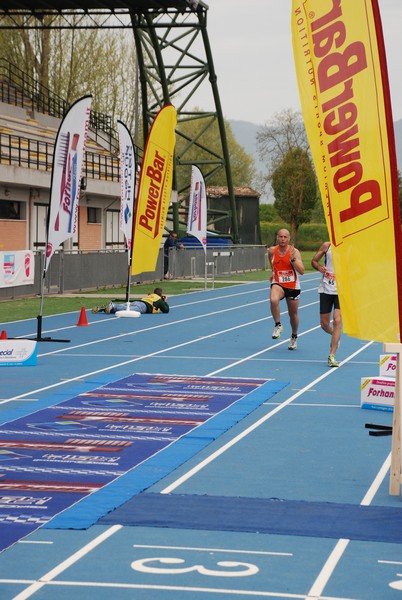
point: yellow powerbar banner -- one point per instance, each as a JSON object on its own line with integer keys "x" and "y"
{"x": 154, "y": 191}
{"x": 341, "y": 70}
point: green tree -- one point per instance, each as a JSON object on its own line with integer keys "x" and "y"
{"x": 282, "y": 133}
{"x": 198, "y": 134}
{"x": 282, "y": 143}
{"x": 74, "y": 62}
{"x": 317, "y": 214}
{"x": 28, "y": 49}
{"x": 295, "y": 187}
{"x": 268, "y": 213}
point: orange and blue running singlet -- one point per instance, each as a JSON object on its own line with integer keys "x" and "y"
{"x": 283, "y": 270}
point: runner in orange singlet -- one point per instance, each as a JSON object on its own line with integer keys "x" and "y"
{"x": 287, "y": 265}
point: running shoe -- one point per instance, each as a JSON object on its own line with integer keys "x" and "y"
{"x": 292, "y": 343}
{"x": 97, "y": 309}
{"x": 108, "y": 307}
{"x": 277, "y": 332}
{"x": 332, "y": 362}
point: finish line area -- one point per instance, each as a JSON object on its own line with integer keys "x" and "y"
{"x": 289, "y": 500}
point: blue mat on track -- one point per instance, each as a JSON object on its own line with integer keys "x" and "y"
{"x": 250, "y": 395}
{"x": 71, "y": 462}
{"x": 261, "y": 515}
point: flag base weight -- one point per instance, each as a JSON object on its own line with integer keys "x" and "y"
{"x": 39, "y": 337}
{"x": 127, "y": 313}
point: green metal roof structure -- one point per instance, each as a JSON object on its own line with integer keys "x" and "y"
{"x": 174, "y": 59}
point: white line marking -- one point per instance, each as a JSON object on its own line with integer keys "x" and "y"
{"x": 242, "y": 360}
{"x": 34, "y": 542}
{"x": 329, "y": 565}
{"x": 252, "y": 427}
{"x": 47, "y": 578}
{"x": 156, "y": 353}
{"x": 341, "y": 546}
{"x": 327, "y": 570}
{"x": 174, "y": 588}
{"x": 191, "y": 548}
{"x": 368, "y": 498}
{"x": 150, "y": 328}
{"x": 203, "y": 301}
{"x": 262, "y": 287}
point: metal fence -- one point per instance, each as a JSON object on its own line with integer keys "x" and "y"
{"x": 91, "y": 270}
{"x": 37, "y": 154}
{"x": 20, "y": 89}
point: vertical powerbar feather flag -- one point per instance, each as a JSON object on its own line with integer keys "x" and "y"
{"x": 197, "y": 210}
{"x": 343, "y": 84}
{"x": 128, "y": 167}
{"x": 68, "y": 159}
{"x": 154, "y": 191}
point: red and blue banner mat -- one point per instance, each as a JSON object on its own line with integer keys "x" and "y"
{"x": 109, "y": 441}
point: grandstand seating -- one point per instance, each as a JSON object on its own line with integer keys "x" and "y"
{"x": 27, "y": 137}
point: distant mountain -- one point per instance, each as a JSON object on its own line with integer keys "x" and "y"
{"x": 245, "y": 134}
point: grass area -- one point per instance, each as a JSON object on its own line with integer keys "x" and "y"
{"x": 15, "y": 310}
{"x": 27, "y": 308}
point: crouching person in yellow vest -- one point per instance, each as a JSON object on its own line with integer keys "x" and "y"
{"x": 153, "y": 303}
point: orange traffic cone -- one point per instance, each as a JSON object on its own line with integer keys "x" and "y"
{"x": 83, "y": 318}
{"x": 3, "y": 335}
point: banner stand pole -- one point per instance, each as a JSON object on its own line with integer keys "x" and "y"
{"x": 127, "y": 312}
{"x": 205, "y": 271}
{"x": 396, "y": 452}
{"x": 128, "y": 285}
{"x": 39, "y": 337}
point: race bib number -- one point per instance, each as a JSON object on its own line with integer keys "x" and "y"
{"x": 286, "y": 276}
{"x": 329, "y": 278}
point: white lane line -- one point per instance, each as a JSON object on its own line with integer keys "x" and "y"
{"x": 171, "y": 588}
{"x": 327, "y": 570}
{"x": 150, "y": 328}
{"x": 173, "y": 307}
{"x": 172, "y": 324}
{"x": 260, "y": 286}
{"x": 50, "y": 575}
{"x": 246, "y": 432}
{"x": 201, "y": 549}
{"x": 252, "y": 356}
{"x": 35, "y": 542}
{"x": 375, "y": 486}
{"x": 127, "y": 362}
{"x": 330, "y": 565}
{"x": 203, "y": 301}
{"x": 339, "y": 549}
{"x": 336, "y": 553}
{"x": 143, "y": 357}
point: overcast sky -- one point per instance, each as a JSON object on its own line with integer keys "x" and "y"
{"x": 253, "y": 57}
